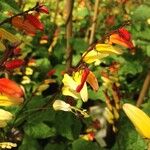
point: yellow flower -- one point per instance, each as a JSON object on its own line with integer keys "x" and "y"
{"x": 28, "y": 71}
{"x": 70, "y": 86}
{"x": 26, "y": 80}
{"x": 5, "y": 116}
{"x": 101, "y": 51}
{"x": 7, "y": 145}
{"x": 140, "y": 120}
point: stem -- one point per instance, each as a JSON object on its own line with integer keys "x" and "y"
{"x": 146, "y": 86}
{"x": 94, "y": 22}
{"x": 69, "y": 49}
{"x": 56, "y": 10}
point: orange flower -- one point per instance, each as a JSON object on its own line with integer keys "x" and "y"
{"x": 122, "y": 37}
{"x": 22, "y": 24}
{"x": 10, "y": 88}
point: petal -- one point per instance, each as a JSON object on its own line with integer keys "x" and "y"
{"x": 117, "y": 39}
{"x": 93, "y": 56}
{"x": 9, "y": 101}
{"x": 61, "y": 105}
{"x": 124, "y": 34}
{"x": 66, "y": 91}
{"x": 35, "y": 22}
{"x": 108, "y": 49}
{"x": 84, "y": 93}
{"x": 92, "y": 80}
{"x": 140, "y": 120}
{"x": 69, "y": 82}
{"x": 10, "y": 88}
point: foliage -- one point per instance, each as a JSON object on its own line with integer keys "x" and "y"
{"x": 103, "y": 76}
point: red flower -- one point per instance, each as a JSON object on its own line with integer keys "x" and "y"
{"x": 122, "y": 37}
{"x": 35, "y": 22}
{"x": 12, "y": 64}
{"x": 85, "y": 74}
{"x": 51, "y": 72}
{"x": 43, "y": 9}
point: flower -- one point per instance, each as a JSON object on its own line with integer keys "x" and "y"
{"x": 6, "y": 100}
{"x": 70, "y": 86}
{"x": 10, "y": 93}
{"x": 7, "y": 145}
{"x": 140, "y": 120}
{"x": 5, "y": 116}
{"x": 99, "y": 52}
{"x": 61, "y": 105}
{"x": 123, "y": 38}
{"x": 10, "y": 88}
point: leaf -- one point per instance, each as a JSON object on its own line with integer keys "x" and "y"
{"x": 52, "y": 146}
{"x": 79, "y": 45}
{"x": 9, "y": 36}
{"x": 99, "y": 95}
{"x": 9, "y": 5}
{"x": 141, "y": 13}
{"x": 43, "y": 64}
{"x": 148, "y": 50}
{"x": 40, "y": 130}
{"x": 127, "y": 137}
{"x": 29, "y": 143}
{"x": 81, "y": 144}
{"x": 69, "y": 126}
{"x": 132, "y": 67}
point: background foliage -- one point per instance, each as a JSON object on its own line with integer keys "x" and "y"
{"x": 38, "y": 125}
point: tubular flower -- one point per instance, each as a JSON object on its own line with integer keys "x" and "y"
{"x": 140, "y": 120}
{"x": 11, "y": 93}
{"x": 61, "y": 105}
{"x": 5, "y": 116}
{"x": 101, "y": 51}
{"x": 24, "y": 25}
{"x": 10, "y": 88}
{"x": 71, "y": 84}
{"x": 123, "y": 38}
{"x": 13, "y": 64}
{"x": 35, "y": 22}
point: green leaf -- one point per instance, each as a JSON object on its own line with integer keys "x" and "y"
{"x": 148, "y": 50}
{"x": 131, "y": 68}
{"x": 52, "y": 146}
{"x": 141, "y": 13}
{"x": 67, "y": 125}
{"x": 128, "y": 138}
{"x": 99, "y": 95}
{"x": 43, "y": 65}
{"x": 41, "y": 116}
{"x": 29, "y": 143}
{"x": 79, "y": 45}
{"x": 9, "y": 5}
{"x": 81, "y": 144}
{"x": 40, "y": 130}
